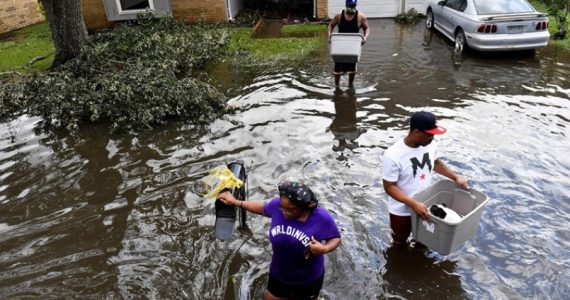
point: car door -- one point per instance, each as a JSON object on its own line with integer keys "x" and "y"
{"x": 437, "y": 10}
{"x": 450, "y": 16}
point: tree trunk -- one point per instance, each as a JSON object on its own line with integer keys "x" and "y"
{"x": 67, "y": 28}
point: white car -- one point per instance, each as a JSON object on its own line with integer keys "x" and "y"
{"x": 489, "y": 25}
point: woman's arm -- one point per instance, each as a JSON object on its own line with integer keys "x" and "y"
{"x": 255, "y": 207}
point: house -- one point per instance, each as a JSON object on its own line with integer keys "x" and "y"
{"x": 15, "y": 14}
{"x": 98, "y": 14}
{"x": 103, "y": 13}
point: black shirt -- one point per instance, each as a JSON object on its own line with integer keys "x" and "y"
{"x": 345, "y": 26}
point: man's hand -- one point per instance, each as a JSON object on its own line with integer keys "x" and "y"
{"x": 462, "y": 182}
{"x": 421, "y": 210}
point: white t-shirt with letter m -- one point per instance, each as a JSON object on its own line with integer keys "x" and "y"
{"x": 410, "y": 168}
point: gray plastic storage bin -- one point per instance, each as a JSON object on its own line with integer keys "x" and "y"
{"x": 442, "y": 236}
{"x": 346, "y": 47}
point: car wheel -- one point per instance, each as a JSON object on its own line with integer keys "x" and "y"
{"x": 429, "y": 19}
{"x": 460, "y": 42}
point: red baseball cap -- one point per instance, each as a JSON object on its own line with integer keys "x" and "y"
{"x": 426, "y": 122}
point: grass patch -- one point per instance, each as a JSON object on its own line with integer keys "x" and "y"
{"x": 304, "y": 28}
{"x": 23, "y": 45}
{"x": 552, "y": 25}
{"x": 288, "y": 48}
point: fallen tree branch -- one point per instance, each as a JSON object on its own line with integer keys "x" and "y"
{"x": 36, "y": 59}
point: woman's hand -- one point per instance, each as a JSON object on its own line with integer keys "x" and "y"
{"x": 227, "y": 198}
{"x": 318, "y": 248}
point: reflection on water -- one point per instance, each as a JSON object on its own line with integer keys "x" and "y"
{"x": 436, "y": 277}
{"x": 344, "y": 124}
{"x": 103, "y": 216}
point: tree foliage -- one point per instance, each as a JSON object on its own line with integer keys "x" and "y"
{"x": 137, "y": 75}
{"x": 559, "y": 9}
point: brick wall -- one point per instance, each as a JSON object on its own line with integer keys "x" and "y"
{"x": 16, "y": 14}
{"x": 194, "y": 11}
{"x": 322, "y": 9}
{"x": 94, "y": 15}
{"x": 187, "y": 10}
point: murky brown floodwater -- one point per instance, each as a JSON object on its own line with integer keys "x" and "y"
{"x": 99, "y": 216}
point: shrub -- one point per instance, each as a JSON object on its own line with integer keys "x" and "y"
{"x": 11, "y": 97}
{"x": 410, "y": 17}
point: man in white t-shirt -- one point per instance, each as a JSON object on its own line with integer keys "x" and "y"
{"x": 407, "y": 168}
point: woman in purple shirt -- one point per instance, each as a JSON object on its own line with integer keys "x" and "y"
{"x": 300, "y": 233}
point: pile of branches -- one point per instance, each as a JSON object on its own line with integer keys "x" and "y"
{"x": 247, "y": 18}
{"x": 137, "y": 75}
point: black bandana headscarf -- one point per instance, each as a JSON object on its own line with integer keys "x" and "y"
{"x": 298, "y": 193}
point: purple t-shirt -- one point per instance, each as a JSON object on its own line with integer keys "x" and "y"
{"x": 289, "y": 238}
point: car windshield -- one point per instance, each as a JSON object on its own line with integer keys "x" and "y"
{"x": 490, "y": 7}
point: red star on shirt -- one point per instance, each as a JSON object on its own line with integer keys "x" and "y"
{"x": 423, "y": 176}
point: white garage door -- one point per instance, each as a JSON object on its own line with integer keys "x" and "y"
{"x": 371, "y": 8}
{"x": 419, "y": 5}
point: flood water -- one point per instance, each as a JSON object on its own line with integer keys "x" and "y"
{"x": 98, "y": 216}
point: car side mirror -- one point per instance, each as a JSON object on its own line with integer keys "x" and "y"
{"x": 441, "y": 3}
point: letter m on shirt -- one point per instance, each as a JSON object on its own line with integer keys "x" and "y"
{"x": 416, "y": 163}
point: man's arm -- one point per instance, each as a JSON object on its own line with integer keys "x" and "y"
{"x": 441, "y": 168}
{"x": 332, "y": 25}
{"x": 364, "y": 26}
{"x": 394, "y": 192}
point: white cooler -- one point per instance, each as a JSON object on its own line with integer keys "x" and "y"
{"x": 437, "y": 234}
{"x": 346, "y": 47}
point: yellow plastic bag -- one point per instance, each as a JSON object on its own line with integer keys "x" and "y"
{"x": 218, "y": 179}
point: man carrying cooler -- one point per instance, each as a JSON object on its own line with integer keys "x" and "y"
{"x": 407, "y": 169}
{"x": 348, "y": 21}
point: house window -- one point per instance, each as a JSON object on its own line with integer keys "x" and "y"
{"x": 132, "y": 6}
{"x": 119, "y": 10}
